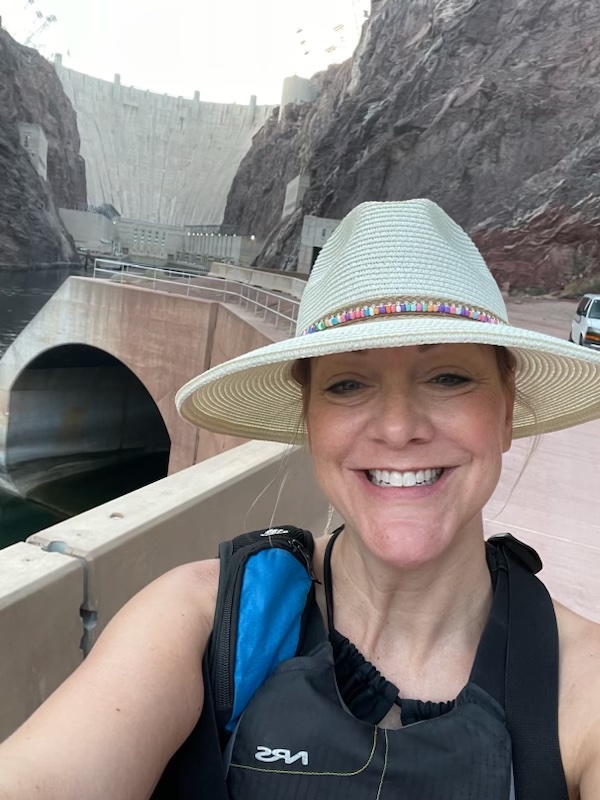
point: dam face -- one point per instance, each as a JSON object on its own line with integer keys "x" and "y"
{"x": 162, "y": 159}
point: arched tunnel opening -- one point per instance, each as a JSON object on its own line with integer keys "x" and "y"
{"x": 82, "y": 430}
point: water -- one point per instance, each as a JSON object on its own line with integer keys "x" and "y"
{"x": 19, "y": 519}
{"x": 22, "y": 294}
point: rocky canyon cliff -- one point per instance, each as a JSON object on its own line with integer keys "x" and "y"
{"x": 489, "y": 107}
{"x": 31, "y": 231}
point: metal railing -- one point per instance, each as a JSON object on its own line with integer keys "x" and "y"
{"x": 276, "y": 309}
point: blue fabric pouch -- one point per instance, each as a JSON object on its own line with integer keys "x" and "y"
{"x": 264, "y": 575}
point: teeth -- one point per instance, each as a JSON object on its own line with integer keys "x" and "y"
{"x": 423, "y": 477}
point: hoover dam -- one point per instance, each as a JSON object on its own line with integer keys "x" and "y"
{"x": 166, "y": 160}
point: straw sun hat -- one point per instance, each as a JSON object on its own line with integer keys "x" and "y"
{"x": 394, "y": 274}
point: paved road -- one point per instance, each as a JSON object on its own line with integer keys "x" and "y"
{"x": 550, "y": 496}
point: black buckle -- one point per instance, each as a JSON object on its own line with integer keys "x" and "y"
{"x": 526, "y": 554}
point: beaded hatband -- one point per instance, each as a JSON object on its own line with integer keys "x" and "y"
{"x": 394, "y": 307}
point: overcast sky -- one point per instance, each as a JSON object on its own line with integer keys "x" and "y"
{"x": 226, "y": 49}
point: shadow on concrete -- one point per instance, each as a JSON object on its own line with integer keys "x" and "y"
{"x": 82, "y": 430}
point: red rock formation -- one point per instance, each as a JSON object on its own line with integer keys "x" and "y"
{"x": 489, "y": 107}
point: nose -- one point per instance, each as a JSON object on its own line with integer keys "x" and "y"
{"x": 401, "y": 417}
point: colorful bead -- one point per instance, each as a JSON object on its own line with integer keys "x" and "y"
{"x": 397, "y": 307}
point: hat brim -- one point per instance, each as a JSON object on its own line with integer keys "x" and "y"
{"x": 254, "y": 395}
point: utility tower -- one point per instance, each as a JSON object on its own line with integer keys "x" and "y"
{"x": 46, "y": 22}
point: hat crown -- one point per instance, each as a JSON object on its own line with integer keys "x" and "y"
{"x": 398, "y": 250}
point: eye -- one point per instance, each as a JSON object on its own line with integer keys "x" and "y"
{"x": 344, "y": 387}
{"x": 450, "y": 379}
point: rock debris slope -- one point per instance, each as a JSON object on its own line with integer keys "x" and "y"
{"x": 489, "y": 107}
{"x": 31, "y": 231}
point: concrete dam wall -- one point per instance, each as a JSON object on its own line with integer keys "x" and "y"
{"x": 157, "y": 158}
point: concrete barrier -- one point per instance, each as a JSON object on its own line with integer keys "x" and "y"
{"x": 270, "y": 280}
{"x": 60, "y": 589}
{"x": 40, "y": 628}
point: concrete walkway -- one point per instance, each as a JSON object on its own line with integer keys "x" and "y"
{"x": 549, "y": 492}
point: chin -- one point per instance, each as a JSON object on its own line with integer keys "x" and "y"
{"x": 407, "y": 549}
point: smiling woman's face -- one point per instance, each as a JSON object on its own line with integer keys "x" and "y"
{"x": 407, "y": 443}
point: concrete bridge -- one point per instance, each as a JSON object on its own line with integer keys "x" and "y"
{"x": 94, "y": 375}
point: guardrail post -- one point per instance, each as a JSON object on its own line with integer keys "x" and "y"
{"x": 278, "y": 314}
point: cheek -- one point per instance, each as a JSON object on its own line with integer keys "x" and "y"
{"x": 321, "y": 433}
{"x": 489, "y": 431}
{"x": 329, "y": 433}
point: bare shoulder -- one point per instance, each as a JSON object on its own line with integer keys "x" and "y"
{"x": 579, "y": 645}
{"x": 579, "y": 700}
{"x": 197, "y": 581}
{"x": 184, "y": 596}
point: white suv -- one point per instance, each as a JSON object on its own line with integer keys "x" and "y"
{"x": 585, "y": 327}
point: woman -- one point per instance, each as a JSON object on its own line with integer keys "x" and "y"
{"x": 410, "y": 385}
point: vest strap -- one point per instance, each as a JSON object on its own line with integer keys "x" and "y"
{"x": 531, "y": 689}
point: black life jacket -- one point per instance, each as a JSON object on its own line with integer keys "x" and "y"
{"x": 275, "y": 727}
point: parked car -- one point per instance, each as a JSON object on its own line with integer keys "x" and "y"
{"x": 585, "y": 327}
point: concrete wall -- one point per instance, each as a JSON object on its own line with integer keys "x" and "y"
{"x": 161, "y": 338}
{"x": 68, "y": 411}
{"x": 297, "y": 90}
{"x": 270, "y": 280}
{"x": 315, "y": 232}
{"x": 164, "y": 339}
{"x": 60, "y": 589}
{"x": 227, "y": 343}
{"x": 90, "y": 231}
{"x": 40, "y": 628}
{"x": 294, "y": 193}
{"x": 167, "y": 160}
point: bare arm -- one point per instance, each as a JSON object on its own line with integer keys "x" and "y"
{"x": 110, "y": 729}
{"x": 579, "y": 703}
{"x": 589, "y": 780}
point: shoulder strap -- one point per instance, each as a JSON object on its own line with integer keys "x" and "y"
{"x": 531, "y": 677}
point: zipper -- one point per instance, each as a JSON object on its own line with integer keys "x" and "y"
{"x": 225, "y": 667}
